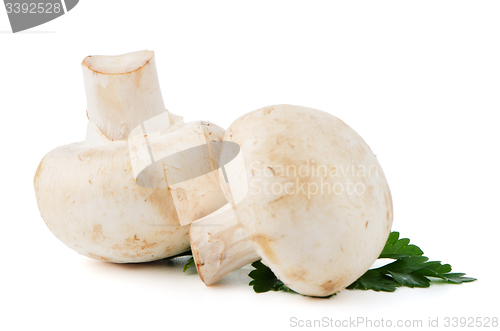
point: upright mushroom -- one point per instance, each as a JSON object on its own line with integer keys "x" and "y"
{"x": 310, "y": 199}
{"x": 123, "y": 194}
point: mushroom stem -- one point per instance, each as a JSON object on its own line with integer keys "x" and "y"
{"x": 122, "y": 92}
{"x": 219, "y": 245}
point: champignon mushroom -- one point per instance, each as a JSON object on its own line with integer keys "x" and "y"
{"x": 124, "y": 193}
{"x": 310, "y": 199}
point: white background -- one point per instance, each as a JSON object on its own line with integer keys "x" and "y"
{"x": 419, "y": 81}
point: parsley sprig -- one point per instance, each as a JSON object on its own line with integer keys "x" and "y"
{"x": 410, "y": 269}
{"x": 265, "y": 280}
{"x": 188, "y": 264}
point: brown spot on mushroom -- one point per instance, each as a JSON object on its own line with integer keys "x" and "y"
{"x": 162, "y": 200}
{"x": 388, "y": 202}
{"x": 38, "y": 170}
{"x": 268, "y": 110}
{"x": 366, "y": 224}
{"x": 134, "y": 248}
{"x": 138, "y": 75}
{"x": 162, "y": 233}
{"x": 297, "y": 276}
{"x": 98, "y": 257}
{"x": 196, "y": 258}
{"x": 97, "y": 233}
{"x": 90, "y": 154}
{"x": 272, "y": 170}
{"x": 264, "y": 243}
{"x": 276, "y": 200}
{"x": 330, "y": 286}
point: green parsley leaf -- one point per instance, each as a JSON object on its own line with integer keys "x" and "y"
{"x": 410, "y": 269}
{"x": 410, "y": 279}
{"x": 457, "y": 278}
{"x": 376, "y": 281}
{"x": 188, "y": 264}
{"x": 265, "y": 280}
{"x": 395, "y": 248}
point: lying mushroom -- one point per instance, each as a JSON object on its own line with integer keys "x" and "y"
{"x": 310, "y": 200}
{"x": 122, "y": 194}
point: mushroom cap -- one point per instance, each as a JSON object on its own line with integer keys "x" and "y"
{"x": 318, "y": 208}
{"x": 91, "y": 199}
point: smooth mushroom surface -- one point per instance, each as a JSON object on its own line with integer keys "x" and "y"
{"x": 123, "y": 194}
{"x": 310, "y": 199}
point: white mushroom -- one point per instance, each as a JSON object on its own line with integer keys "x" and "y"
{"x": 123, "y": 194}
{"x": 309, "y": 199}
